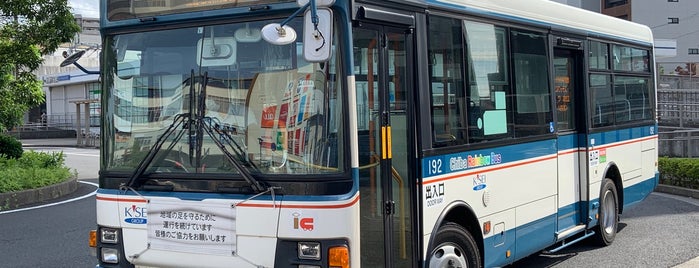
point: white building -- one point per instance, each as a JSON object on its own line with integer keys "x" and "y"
{"x": 673, "y": 22}
{"x": 64, "y": 86}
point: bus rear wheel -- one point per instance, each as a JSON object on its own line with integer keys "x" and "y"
{"x": 455, "y": 247}
{"x": 608, "y": 213}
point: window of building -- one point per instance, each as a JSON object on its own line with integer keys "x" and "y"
{"x": 693, "y": 51}
{"x": 614, "y": 3}
{"x": 673, "y": 20}
{"x": 94, "y": 93}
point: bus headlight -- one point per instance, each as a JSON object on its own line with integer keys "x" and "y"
{"x": 109, "y": 236}
{"x": 309, "y": 250}
{"x": 110, "y": 255}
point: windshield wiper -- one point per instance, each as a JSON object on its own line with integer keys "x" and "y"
{"x": 254, "y": 183}
{"x": 218, "y": 127}
{"x": 203, "y": 125}
{"x": 179, "y": 120}
{"x": 190, "y": 129}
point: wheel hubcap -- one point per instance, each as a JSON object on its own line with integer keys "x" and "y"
{"x": 608, "y": 212}
{"x": 448, "y": 256}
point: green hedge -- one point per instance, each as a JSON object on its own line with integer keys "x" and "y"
{"x": 683, "y": 172}
{"x": 10, "y": 147}
{"x": 32, "y": 170}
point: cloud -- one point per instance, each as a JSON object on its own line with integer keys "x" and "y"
{"x": 86, "y": 8}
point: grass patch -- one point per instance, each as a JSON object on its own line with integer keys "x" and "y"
{"x": 33, "y": 170}
{"x": 682, "y": 172}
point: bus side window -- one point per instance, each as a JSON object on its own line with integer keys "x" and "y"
{"x": 488, "y": 96}
{"x": 531, "y": 89}
{"x": 449, "y": 105}
{"x": 601, "y": 100}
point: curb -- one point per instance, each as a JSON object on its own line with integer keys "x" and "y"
{"x": 689, "y": 264}
{"x": 669, "y": 189}
{"x": 13, "y": 200}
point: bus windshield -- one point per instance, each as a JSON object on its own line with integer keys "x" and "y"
{"x": 217, "y": 99}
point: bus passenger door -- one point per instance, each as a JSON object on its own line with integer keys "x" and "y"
{"x": 383, "y": 79}
{"x": 572, "y": 135}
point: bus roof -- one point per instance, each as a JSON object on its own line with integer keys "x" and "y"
{"x": 549, "y": 13}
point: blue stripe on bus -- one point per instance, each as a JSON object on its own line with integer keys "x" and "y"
{"x": 638, "y": 192}
{"x": 521, "y": 241}
{"x": 456, "y": 162}
{"x": 569, "y": 216}
{"x": 571, "y": 141}
{"x": 618, "y": 135}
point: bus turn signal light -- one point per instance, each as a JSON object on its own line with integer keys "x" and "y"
{"x": 338, "y": 257}
{"x": 93, "y": 238}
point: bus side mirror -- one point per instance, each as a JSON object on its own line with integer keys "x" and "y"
{"x": 317, "y": 37}
{"x": 317, "y": 30}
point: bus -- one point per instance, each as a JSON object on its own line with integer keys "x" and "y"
{"x": 397, "y": 133}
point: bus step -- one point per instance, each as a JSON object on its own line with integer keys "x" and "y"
{"x": 565, "y": 244}
{"x": 569, "y": 232}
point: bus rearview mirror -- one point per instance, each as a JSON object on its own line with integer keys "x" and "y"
{"x": 317, "y": 36}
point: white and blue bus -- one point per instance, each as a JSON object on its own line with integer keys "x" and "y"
{"x": 335, "y": 133}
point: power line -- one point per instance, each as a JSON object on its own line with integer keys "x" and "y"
{"x": 679, "y": 19}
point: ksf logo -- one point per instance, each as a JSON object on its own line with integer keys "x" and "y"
{"x": 305, "y": 224}
{"x": 135, "y": 215}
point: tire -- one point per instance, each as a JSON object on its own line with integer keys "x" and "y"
{"x": 454, "y": 246}
{"x": 608, "y": 214}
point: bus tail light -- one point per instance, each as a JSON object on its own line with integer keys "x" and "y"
{"x": 338, "y": 257}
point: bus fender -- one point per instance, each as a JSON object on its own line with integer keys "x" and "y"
{"x": 612, "y": 172}
{"x": 461, "y": 213}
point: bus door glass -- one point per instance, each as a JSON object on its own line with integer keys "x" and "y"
{"x": 572, "y": 168}
{"x": 382, "y": 81}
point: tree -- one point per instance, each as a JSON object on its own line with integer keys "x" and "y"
{"x": 28, "y": 30}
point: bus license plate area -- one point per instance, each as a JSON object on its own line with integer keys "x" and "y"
{"x": 205, "y": 227}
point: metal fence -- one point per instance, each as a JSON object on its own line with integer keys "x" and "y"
{"x": 678, "y": 107}
{"x": 678, "y": 117}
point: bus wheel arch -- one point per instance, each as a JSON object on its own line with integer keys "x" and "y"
{"x": 612, "y": 173}
{"x": 457, "y": 218}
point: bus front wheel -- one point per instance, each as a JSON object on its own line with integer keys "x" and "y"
{"x": 608, "y": 213}
{"x": 455, "y": 247}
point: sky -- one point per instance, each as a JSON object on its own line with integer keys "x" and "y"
{"x": 87, "y": 8}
